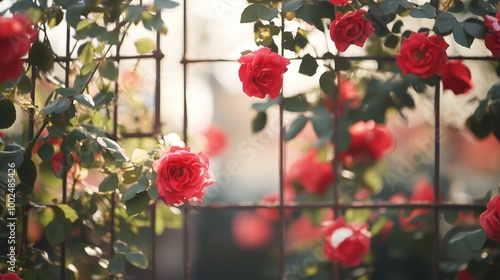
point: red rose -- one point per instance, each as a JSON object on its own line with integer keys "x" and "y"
{"x": 464, "y": 274}
{"x": 457, "y": 77}
{"x": 369, "y": 142}
{"x": 350, "y": 29}
{"x": 349, "y": 99}
{"x": 16, "y": 35}
{"x": 339, "y": 2}
{"x": 273, "y": 198}
{"x": 490, "y": 219}
{"x": 314, "y": 176}
{"x": 492, "y": 23}
{"x": 10, "y": 276}
{"x": 250, "y": 231}
{"x": 492, "y": 42}
{"x": 261, "y": 73}
{"x": 182, "y": 175}
{"x": 421, "y": 55}
{"x": 217, "y": 140}
{"x": 423, "y": 192}
{"x": 346, "y": 244}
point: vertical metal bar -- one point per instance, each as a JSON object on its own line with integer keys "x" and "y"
{"x": 281, "y": 170}
{"x": 437, "y": 169}
{"x": 157, "y": 130}
{"x": 336, "y": 158}
{"x": 64, "y": 163}
{"x": 187, "y": 261}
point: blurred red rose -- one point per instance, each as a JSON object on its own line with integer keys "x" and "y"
{"x": 369, "y": 142}
{"x": 182, "y": 175}
{"x": 457, "y": 77}
{"x": 492, "y": 23}
{"x": 261, "y": 73}
{"x": 423, "y": 192}
{"x": 349, "y": 99}
{"x": 250, "y": 231}
{"x": 10, "y": 276}
{"x": 464, "y": 274}
{"x": 350, "y": 29}
{"x": 217, "y": 140}
{"x": 492, "y": 42}
{"x": 422, "y": 56}
{"x": 346, "y": 243}
{"x": 314, "y": 176}
{"x": 490, "y": 219}
{"x": 273, "y": 198}
{"x": 16, "y": 35}
{"x": 339, "y": 2}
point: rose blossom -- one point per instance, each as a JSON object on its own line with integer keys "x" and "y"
{"x": 16, "y": 35}
{"x": 182, "y": 175}
{"x": 217, "y": 140}
{"x": 250, "y": 231}
{"x": 490, "y": 219}
{"x": 464, "y": 274}
{"x": 492, "y": 23}
{"x": 422, "y": 55}
{"x": 261, "y": 73}
{"x": 423, "y": 192}
{"x": 339, "y": 2}
{"x": 273, "y": 198}
{"x": 350, "y": 29}
{"x": 492, "y": 42}
{"x": 349, "y": 99}
{"x": 346, "y": 243}
{"x": 314, "y": 176}
{"x": 457, "y": 77}
{"x": 10, "y": 276}
{"x": 369, "y": 141}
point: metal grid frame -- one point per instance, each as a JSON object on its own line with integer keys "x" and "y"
{"x": 436, "y": 206}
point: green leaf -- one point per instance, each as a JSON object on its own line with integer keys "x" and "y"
{"x": 120, "y": 247}
{"x": 327, "y": 82}
{"x": 295, "y": 127}
{"x": 445, "y": 22}
{"x": 296, "y": 103}
{"x": 389, "y": 6}
{"x": 259, "y": 122}
{"x": 131, "y": 175}
{"x": 425, "y": 11}
{"x": 465, "y": 244}
{"x": 308, "y": 66}
{"x": 46, "y": 151}
{"x": 85, "y": 99}
{"x": 103, "y": 98}
{"x": 138, "y": 155}
{"x": 108, "y": 70}
{"x": 153, "y": 192}
{"x": 132, "y": 191}
{"x": 291, "y": 5}
{"x": 137, "y": 204}
{"x": 116, "y": 265}
{"x": 65, "y": 92}
{"x": 69, "y": 212}
{"x": 109, "y": 184}
{"x": 360, "y": 215}
{"x": 396, "y": 28}
{"x": 133, "y": 13}
{"x": 343, "y": 63}
{"x": 461, "y": 37}
{"x": 86, "y": 53}
{"x": 27, "y": 172}
{"x": 144, "y": 45}
{"x": 138, "y": 259}
{"x": 322, "y": 122}
{"x": 266, "y": 13}
{"x": 250, "y": 13}
{"x": 406, "y": 4}
{"x": 458, "y": 7}
{"x": 57, "y": 231}
{"x": 74, "y": 13}
{"x": 24, "y": 85}
{"x": 379, "y": 225}
{"x": 165, "y": 4}
{"x": 475, "y": 28}
{"x": 266, "y": 105}
{"x": 57, "y": 106}
{"x": 41, "y": 56}
{"x": 8, "y": 113}
{"x": 391, "y": 41}
{"x": 167, "y": 217}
